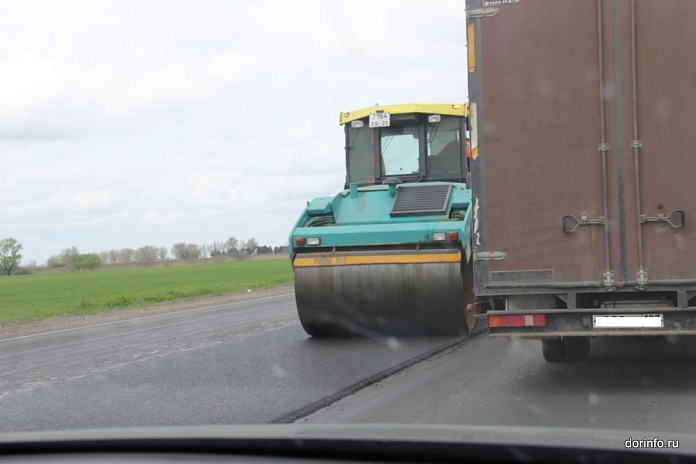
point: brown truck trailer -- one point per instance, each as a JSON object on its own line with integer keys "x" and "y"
{"x": 583, "y": 130}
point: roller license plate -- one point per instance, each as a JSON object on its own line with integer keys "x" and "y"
{"x": 628, "y": 321}
{"x": 380, "y": 119}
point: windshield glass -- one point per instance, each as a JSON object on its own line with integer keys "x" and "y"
{"x": 444, "y": 149}
{"x": 400, "y": 150}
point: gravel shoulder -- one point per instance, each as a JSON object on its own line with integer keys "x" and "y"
{"x": 50, "y": 324}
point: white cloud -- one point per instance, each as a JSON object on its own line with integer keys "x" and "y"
{"x": 29, "y": 83}
{"x": 151, "y": 217}
{"x": 63, "y": 203}
{"x": 133, "y": 123}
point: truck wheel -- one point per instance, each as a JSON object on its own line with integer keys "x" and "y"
{"x": 577, "y": 348}
{"x": 553, "y": 349}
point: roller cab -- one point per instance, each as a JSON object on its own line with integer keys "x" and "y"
{"x": 390, "y": 253}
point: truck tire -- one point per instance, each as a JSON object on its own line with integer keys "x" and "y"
{"x": 553, "y": 349}
{"x": 577, "y": 348}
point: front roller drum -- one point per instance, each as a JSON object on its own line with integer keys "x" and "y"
{"x": 419, "y": 299}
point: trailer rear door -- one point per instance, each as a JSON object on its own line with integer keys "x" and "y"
{"x": 567, "y": 95}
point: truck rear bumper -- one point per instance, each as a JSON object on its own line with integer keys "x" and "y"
{"x": 611, "y": 322}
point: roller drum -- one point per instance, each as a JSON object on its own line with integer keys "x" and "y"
{"x": 422, "y": 299}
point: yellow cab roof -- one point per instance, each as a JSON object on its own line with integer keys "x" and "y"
{"x": 450, "y": 109}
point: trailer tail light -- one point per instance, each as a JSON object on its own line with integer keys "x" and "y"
{"x": 439, "y": 237}
{"x": 530, "y": 320}
{"x": 453, "y": 236}
{"x": 313, "y": 241}
{"x": 300, "y": 241}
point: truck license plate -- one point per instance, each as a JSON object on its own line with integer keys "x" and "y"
{"x": 627, "y": 321}
{"x": 379, "y": 119}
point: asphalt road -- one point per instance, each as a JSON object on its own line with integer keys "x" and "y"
{"x": 245, "y": 362}
{"x": 627, "y": 384}
{"x": 251, "y": 362}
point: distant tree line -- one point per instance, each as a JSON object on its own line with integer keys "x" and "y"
{"x": 232, "y": 246}
{"x": 75, "y": 260}
{"x": 71, "y": 257}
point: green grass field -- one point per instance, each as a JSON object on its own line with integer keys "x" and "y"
{"x": 33, "y": 296}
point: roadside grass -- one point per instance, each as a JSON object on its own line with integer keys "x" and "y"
{"x": 25, "y": 297}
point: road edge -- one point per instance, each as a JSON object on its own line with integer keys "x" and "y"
{"x": 17, "y": 329}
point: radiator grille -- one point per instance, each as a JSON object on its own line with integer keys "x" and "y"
{"x": 418, "y": 200}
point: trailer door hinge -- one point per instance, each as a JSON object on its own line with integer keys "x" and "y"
{"x": 608, "y": 279}
{"x": 483, "y": 13}
{"x": 489, "y": 255}
{"x": 641, "y": 278}
{"x": 603, "y": 147}
{"x": 636, "y": 144}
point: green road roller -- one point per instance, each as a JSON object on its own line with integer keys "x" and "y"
{"x": 390, "y": 254}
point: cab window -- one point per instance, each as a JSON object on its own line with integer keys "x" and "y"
{"x": 360, "y": 158}
{"x": 400, "y": 147}
{"x": 444, "y": 148}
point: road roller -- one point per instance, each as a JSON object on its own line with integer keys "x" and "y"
{"x": 390, "y": 254}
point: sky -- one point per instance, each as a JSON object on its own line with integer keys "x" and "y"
{"x": 124, "y": 124}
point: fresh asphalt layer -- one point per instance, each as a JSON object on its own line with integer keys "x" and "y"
{"x": 244, "y": 362}
{"x": 251, "y": 362}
